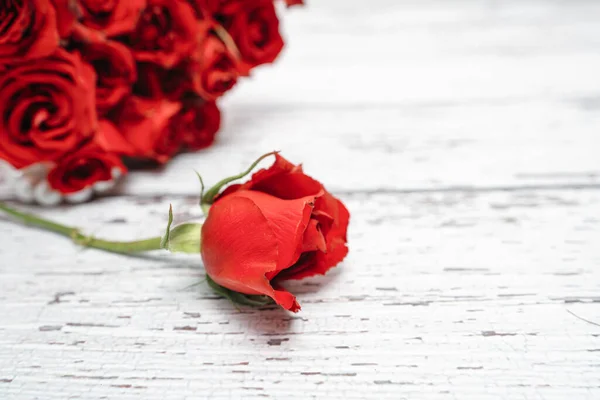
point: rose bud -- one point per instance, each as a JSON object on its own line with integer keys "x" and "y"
{"x": 112, "y": 17}
{"x": 198, "y": 124}
{"x": 254, "y": 27}
{"x": 27, "y": 30}
{"x": 165, "y": 33}
{"x": 81, "y": 170}
{"x": 145, "y": 124}
{"x": 213, "y": 66}
{"x": 93, "y": 168}
{"x": 114, "y": 65}
{"x": 280, "y": 225}
{"x": 46, "y": 108}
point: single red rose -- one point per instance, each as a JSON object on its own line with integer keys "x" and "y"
{"x": 198, "y": 125}
{"x": 213, "y": 67}
{"x": 145, "y": 123}
{"x": 280, "y": 225}
{"x": 27, "y": 30}
{"x": 112, "y": 17}
{"x": 165, "y": 33}
{"x": 115, "y": 71}
{"x": 67, "y": 12}
{"x": 255, "y": 30}
{"x": 46, "y": 108}
{"x": 84, "y": 168}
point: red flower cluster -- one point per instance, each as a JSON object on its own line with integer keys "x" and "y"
{"x": 84, "y": 83}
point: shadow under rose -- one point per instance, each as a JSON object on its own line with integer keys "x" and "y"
{"x": 271, "y": 320}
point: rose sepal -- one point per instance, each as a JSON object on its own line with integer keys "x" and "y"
{"x": 209, "y": 196}
{"x": 238, "y": 298}
{"x": 183, "y": 238}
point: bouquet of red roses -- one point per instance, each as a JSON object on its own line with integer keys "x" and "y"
{"x": 85, "y": 84}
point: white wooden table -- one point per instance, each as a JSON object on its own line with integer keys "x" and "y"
{"x": 463, "y": 135}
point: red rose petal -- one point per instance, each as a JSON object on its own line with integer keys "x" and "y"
{"x": 288, "y": 220}
{"x": 111, "y": 140}
{"x": 239, "y": 247}
{"x": 313, "y": 238}
{"x": 145, "y": 124}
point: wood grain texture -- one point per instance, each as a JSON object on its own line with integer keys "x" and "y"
{"x": 462, "y": 135}
{"x": 444, "y": 294}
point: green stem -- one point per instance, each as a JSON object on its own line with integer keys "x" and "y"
{"x": 82, "y": 240}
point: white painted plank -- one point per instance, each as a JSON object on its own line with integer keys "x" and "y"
{"x": 477, "y": 145}
{"x": 447, "y": 292}
{"x": 432, "y": 51}
{"x": 444, "y": 295}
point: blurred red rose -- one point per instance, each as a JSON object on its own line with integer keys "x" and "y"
{"x": 255, "y": 29}
{"x": 46, "y": 108}
{"x": 115, "y": 70}
{"x": 213, "y": 67}
{"x": 27, "y": 30}
{"x": 83, "y": 168}
{"x": 112, "y": 17}
{"x": 145, "y": 124}
{"x": 165, "y": 32}
{"x": 280, "y": 225}
{"x": 198, "y": 125}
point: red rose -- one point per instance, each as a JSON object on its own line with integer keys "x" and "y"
{"x": 165, "y": 33}
{"x": 213, "y": 68}
{"x": 115, "y": 71}
{"x": 280, "y": 225}
{"x": 112, "y": 17}
{"x": 198, "y": 125}
{"x": 46, "y": 108}
{"x": 255, "y": 30}
{"x": 145, "y": 123}
{"x": 27, "y": 30}
{"x": 84, "y": 168}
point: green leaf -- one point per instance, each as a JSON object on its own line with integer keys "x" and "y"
{"x": 239, "y": 298}
{"x": 211, "y": 193}
{"x": 165, "y": 239}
